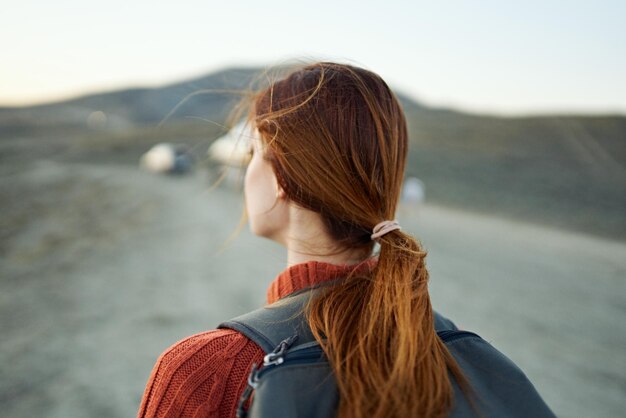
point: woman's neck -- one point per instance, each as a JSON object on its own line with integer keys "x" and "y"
{"x": 346, "y": 257}
{"x": 306, "y": 239}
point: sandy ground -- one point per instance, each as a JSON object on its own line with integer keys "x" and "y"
{"x": 103, "y": 267}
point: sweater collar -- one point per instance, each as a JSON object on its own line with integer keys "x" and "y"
{"x": 310, "y": 273}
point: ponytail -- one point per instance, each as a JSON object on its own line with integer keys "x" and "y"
{"x": 378, "y": 333}
{"x": 337, "y": 139}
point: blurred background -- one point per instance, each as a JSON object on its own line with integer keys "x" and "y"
{"x": 115, "y": 235}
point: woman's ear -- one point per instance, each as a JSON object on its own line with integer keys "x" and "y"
{"x": 280, "y": 193}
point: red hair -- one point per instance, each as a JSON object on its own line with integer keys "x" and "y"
{"x": 337, "y": 139}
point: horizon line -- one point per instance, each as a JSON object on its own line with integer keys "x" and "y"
{"x": 454, "y": 107}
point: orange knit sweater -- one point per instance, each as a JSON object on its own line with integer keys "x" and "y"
{"x": 204, "y": 375}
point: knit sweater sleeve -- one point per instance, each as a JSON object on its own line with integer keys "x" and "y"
{"x": 200, "y": 376}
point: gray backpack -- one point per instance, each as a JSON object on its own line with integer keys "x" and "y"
{"x": 295, "y": 379}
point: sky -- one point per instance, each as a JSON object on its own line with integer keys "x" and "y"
{"x": 509, "y": 58}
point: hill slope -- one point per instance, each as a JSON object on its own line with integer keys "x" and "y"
{"x": 568, "y": 171}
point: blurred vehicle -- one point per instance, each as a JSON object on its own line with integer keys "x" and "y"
{"x": 167, "y": 158}
{"x": 232, "y": 149}
{"x": 231, "y": 153}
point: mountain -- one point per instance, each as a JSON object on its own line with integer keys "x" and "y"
{"x": 563, "y": 170}
{"x": 129, "y": 108}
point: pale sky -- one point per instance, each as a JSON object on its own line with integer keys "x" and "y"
{"x": 495, "y": 57}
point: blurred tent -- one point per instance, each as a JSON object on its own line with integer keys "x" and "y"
{"x": 413, "y": 191}
{"x": 411, "y": 198}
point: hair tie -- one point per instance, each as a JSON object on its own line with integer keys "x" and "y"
{"x": 383, "y": 227}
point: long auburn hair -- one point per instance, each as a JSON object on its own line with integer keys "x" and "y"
{"x": 337, "y": 139}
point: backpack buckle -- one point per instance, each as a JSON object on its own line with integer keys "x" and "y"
{"x": 277, "y": 355}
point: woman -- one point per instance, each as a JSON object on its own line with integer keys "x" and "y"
{"x": 328, "y": 155}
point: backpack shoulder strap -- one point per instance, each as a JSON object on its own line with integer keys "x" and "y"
{"x": 269, "y": 325}
{"x": 502, "y": 388}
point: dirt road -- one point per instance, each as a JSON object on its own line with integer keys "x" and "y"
{"x": 103, "y": 267}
